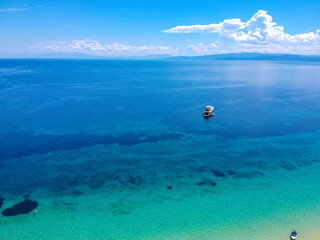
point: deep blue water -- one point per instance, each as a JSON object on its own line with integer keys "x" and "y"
{"x": 72, "y": 126}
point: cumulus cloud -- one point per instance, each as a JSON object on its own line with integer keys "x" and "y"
{"x": 259, "y": 29}
{"x": 94, "y": 47}
{"x": 13, "y": 9}
{"x": 259, "y": 34}
{"x": 229, "y": 25}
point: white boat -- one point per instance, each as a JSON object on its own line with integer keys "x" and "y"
{"x": 293, "y": 235}
{"x": 208, "y": 111}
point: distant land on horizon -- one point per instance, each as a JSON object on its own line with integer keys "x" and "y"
{"x": 167, "y": 57}
{"x": 252, "y": 56}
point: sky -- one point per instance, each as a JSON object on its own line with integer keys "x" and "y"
{"x": 120, "y": 28}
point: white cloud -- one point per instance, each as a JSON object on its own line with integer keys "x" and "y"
{"x": 94, "y": 47}
{"x": 259, "y": 34}
{"x": 259, "y": 29}
{"x": 13, "y": 9}
{"x": 202, "y": 49}
{"x": 229, "y": 25}
{"x": 91, "y": 45}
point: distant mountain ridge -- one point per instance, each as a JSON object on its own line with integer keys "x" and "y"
{"x": 252, "y": 56}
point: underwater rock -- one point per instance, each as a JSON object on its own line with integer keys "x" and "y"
{"x": 1, "y": 202}
{"x": 169, "y": 187}
{"x": 20, "y": 208}
{"x": 136, "y": 180}
{"x": 206, "y": 181}
{"x": 201, "y": 183}
{"x": 231, "y": 172}
{"x": 218, "y": 173}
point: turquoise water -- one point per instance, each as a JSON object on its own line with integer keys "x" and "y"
{"x": 120, "y": 150}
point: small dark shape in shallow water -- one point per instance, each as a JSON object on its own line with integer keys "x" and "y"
{"x": 231, "y": 172}
{"x": 1, "y": 202}
{"x": 201, "y": 183}
{"x": 20, "y": 208}
{"x": 206, "y": 181}
{"x": 218, "y": 173}
{"x": 135, "y": 180}
{"x": 169, "y": 187}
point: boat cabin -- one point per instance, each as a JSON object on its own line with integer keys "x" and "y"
{"x": 208, "y": 112}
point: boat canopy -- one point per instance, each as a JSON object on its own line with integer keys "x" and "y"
{"x": 209, "y": 107}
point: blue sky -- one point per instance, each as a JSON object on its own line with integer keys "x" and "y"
{"x": 135, "y": 28}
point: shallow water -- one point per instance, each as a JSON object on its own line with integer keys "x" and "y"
{"x": 119, "y": 149}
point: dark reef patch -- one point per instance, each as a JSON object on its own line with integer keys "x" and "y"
{"x": 20, "y": 144}
{"x": 169, "y": 187}
{"x": 201, "y": 183}
{"x": 231, "y": 172}
{"x": 136, "y": 180}
{"x": 206, "y": 181}
{"x": 1, "y": 202}
{"x": 20, "y": 208}
{"x": 218, "y": 173}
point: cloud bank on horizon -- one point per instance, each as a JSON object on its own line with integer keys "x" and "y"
{"x": 13, "y": 9}
{"x": 259, "y": 34}
{"x": 90, "y": 46}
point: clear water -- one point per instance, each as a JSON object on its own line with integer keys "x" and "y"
{"x": 120, "y": 150}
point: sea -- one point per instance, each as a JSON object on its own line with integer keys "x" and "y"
{"x": 119, "y": 149}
